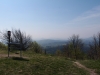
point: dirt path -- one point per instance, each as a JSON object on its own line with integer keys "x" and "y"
{"x": 5, "y": 55}
{"x": 12, "y": 55}
{"x": 91, "y": 71}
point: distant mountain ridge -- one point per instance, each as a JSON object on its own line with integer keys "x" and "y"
{"x": 50, "y": 42}
{"x": 52, "y": 45}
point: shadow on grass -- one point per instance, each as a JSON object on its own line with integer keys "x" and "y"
{"x": 20, "y": 59}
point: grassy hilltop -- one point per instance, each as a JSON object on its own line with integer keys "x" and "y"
{"x": 37, "y": 64}
{"x": 40, "y": 64}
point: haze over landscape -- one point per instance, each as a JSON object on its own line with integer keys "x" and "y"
{"x": 51, "y": 19}
{"x": 49, "y": 37}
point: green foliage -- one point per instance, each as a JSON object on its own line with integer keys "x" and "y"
{"x": 58, "y": 53}
{"x": 35, "y": 47}
{"x": 73, "y": 52}
{"x": 73, "y": 49}
{"x": 3, "y": 46}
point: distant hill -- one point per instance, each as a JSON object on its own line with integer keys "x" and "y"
{"x": 52, "y": 45}
{"x": 50, "y": 42}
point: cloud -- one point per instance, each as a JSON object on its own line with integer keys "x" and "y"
{"x": 87, "y": 24}
{"x": 95, "y": 12}
{"x": 91, "y": 14}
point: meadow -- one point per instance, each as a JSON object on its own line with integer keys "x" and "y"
{"x": 37, "y": 64}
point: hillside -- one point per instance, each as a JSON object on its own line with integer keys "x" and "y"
{"x": 37, "y": 64}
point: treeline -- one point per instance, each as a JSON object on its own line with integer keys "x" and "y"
{"x": 74, "y": 48}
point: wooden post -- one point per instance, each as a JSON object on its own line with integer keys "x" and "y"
{"x": 9, "y": 34}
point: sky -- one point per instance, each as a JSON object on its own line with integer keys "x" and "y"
{"x": 51, "y": 19}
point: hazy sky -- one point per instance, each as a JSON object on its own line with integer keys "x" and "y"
{"x": 51, "y": 19}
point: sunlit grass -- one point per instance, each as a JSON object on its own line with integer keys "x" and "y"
{"x": 38, "y": 64}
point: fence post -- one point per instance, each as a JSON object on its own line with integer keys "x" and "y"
{"x": 9, "y": 34}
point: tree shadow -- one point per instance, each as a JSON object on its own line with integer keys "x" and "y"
{"x": 20, "y": 59}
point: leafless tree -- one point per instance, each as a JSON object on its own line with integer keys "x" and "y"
{"x": 94, "y": 51}
{"x": 18, "y": 37}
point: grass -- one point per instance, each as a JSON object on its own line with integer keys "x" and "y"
{"x": 38, "y": 64}
{"x": 93, "y": 64}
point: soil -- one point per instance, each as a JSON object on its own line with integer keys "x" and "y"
{"x": 11, "y": 55}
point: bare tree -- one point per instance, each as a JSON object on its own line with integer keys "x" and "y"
{"x": 18, "y": 37}
{"x": 94, "y": 51}
{"x": 74, "y": 47}
{"x": 4, "y": 36}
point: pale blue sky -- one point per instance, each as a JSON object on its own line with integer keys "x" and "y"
{"x": 51, "y": 19}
